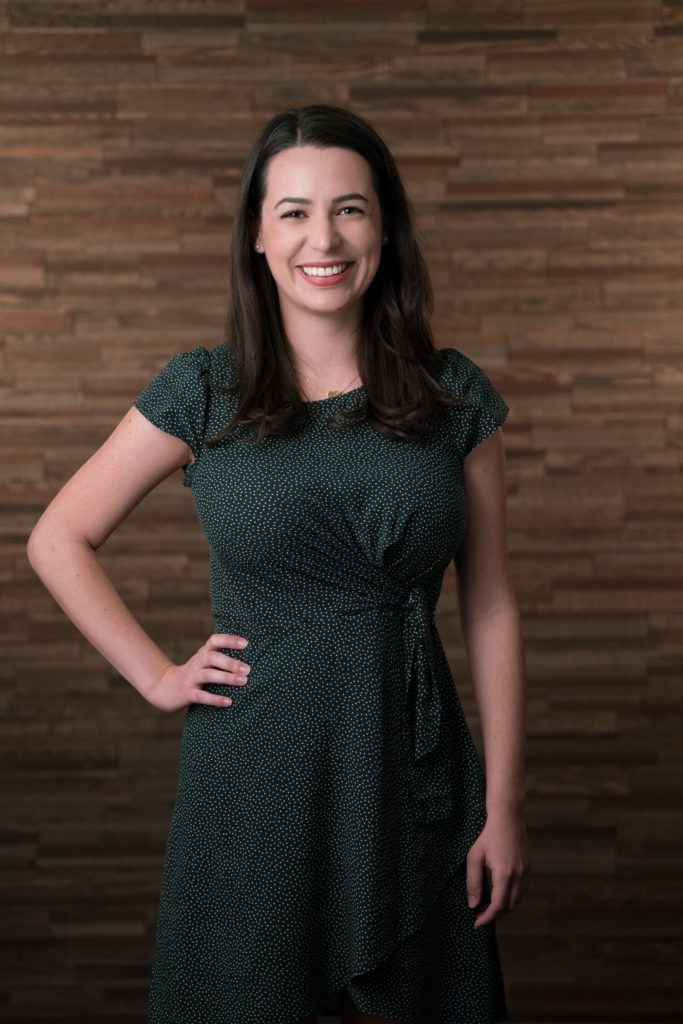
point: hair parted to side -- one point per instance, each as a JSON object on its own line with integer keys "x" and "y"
{"x": 397, "y": 357}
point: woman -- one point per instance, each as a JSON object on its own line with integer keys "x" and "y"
{"x": 332, "y": 814}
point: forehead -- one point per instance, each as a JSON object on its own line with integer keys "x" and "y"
{"x": 322, "y": 171}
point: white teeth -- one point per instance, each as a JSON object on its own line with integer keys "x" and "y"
{"x": 325, "y": 271}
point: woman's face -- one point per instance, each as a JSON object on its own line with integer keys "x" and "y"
{"x": 320, "y": 207}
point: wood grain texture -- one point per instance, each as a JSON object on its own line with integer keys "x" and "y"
{"x": 542, "y": 147}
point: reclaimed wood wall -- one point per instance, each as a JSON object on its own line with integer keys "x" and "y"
{"x": 542, "y": 146}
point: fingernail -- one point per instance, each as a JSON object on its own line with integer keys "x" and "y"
{"x": 243, "y": 642}
{"x": 472, "y": 901}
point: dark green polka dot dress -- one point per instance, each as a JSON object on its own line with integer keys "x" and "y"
{"x": 322, "y": 821}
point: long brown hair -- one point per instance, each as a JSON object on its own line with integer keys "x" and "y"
{"x": 397, "y": 358}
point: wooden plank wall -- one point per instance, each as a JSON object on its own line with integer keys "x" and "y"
{"x": 542, "y": 146}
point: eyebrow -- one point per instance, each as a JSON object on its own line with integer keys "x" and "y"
{"x": 337, "y": 199}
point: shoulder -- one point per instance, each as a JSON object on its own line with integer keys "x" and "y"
{"x": 222, "y": 365}
{"x": 482, "y": 409}
{"x": 186, "y": 375}
{"x": 461, "y": 376}
{"x": 176, "y": 399}
{"x": 185, "y": 370}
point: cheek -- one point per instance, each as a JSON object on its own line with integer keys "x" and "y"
{"x": 280, "y": 244}
{"x": 280, "y": 262}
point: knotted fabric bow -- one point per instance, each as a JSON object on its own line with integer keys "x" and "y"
{"x": 429, "y": 737}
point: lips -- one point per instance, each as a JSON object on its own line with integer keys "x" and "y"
{"x": 324, "y": 266}
{"x": 327, "y": 280}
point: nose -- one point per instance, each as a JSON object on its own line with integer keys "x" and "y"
{"x": 323, "y": 233}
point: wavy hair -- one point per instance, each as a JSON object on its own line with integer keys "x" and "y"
{"x": 397, "y": 358}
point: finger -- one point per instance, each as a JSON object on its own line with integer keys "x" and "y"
{"x": 518, "y": 886}
{"x": 475, "y": 865}
{"x": 515, "y": 894}
{"x": 497, "y": 906}
{"x": 200, "y": 696}
{"x": 524, "y": 885}
{"x": 219, "y": 675}
{"x": 492, "y": 911}
{"x": 227, "y": 640}
{"x": 227, "y": 662}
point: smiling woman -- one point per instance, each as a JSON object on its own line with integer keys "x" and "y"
{"x": 332, "y": 813}
{"x": 331, "y": 484}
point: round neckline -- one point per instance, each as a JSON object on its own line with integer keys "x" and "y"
{"x": 335, "y": 398}
{"x": 317, "y": 402}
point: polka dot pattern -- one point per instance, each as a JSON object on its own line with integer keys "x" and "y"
{"x": 322, "y": 821}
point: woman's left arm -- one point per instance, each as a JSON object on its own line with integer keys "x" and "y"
{"x": 492, "y": 633}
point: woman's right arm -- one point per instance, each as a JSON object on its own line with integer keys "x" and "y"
{"x": 61, "y": 550}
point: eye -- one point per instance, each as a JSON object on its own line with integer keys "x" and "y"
{"x": 292, "y": 212}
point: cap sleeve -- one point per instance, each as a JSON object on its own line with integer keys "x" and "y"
{"x": 485, "y": 411}
{"x": 176, "y": 401}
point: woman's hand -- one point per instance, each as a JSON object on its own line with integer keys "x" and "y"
{"x": 180, "y": 685}
{"x": 503, "y": 847}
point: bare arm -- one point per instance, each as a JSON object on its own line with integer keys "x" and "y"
{"x": 71, "y": 571}
{"x": 491, "y": 626}
{"x": 61, "y": 551}
{"x": 493, "y": 638}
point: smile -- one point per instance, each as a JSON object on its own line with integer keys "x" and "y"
{"x": 326, "y": 275}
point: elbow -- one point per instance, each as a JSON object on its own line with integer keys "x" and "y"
{"x": 36, "y": 539}
{"x": 31, "y": 544}
{"x": 33, "y": 547}
{"x": 40, "y": 539}
{"x": 46, "y": 538}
